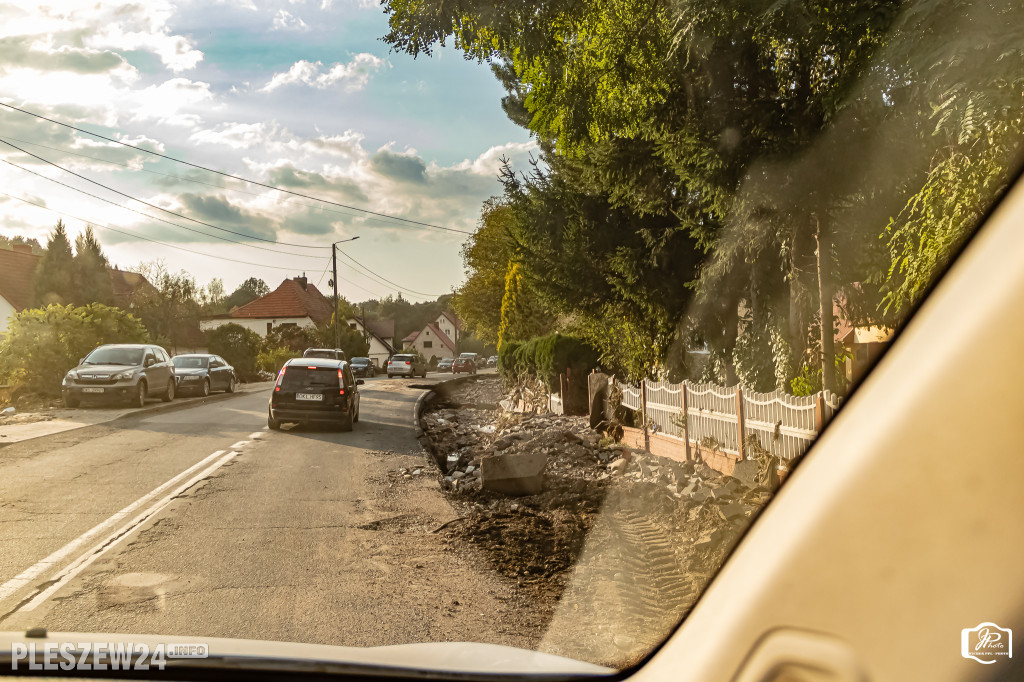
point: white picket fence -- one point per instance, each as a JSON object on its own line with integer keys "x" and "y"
{"x": 784, "y": 424}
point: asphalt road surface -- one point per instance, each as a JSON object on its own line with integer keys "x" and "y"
{"x": 200, "y": 522}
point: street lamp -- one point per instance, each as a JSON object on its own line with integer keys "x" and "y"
{"x": 334, "y": 283}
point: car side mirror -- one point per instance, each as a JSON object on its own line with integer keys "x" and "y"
{"x": 150, "y": 362}
{"x": 359, "y": 382}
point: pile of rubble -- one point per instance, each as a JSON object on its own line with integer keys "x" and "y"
{"x": 533, "y": 490}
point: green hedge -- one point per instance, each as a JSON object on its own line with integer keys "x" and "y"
{"x": 545, "y": 357}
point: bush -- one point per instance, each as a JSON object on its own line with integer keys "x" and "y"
{"x": 273, "y": 359}
{"x": 239, "y": 346}
{"x": 42, "y": 344}
{"x": 546, "y": 357}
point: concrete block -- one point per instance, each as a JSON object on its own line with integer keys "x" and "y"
{"x": 514, "y": 474}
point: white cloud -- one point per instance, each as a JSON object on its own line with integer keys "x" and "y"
{"x": 286, "y": 21}
{"x": 351, "y": 76}
{"x": 165, "y": 101}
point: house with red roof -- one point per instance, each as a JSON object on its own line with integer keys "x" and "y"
{"x": 295, "y": 302}
{"x": 17, "y": 271}
{"x": 438, "y": 339}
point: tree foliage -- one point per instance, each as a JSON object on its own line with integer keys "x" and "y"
{"x": 239, "y": 346}
{"x": 54, "y": 276}
{"x": 90, "y": 271}
{"x": 692, "y": 151}
{"x": 42, "y": 344}
{"x": 170, "y": 310}
{"x": 246, "y": 292}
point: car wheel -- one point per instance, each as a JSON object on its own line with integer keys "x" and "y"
{"x": 356, "y": 417}
{"x": 168, "y": 395}
{"x": 71, "y": 402}
{"x": 231, "y": 385}
{"x": 206, "y": 388}
{"x": 346, "y": 424}
{"x": 139, "y": 399}
{"x": 389, "y": 376}
{"x": 273, "y": 424}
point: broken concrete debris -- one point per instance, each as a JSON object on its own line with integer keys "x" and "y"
{"x": 514, "y": 473}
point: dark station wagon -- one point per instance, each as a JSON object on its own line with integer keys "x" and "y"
{"x": 314, "y": 390}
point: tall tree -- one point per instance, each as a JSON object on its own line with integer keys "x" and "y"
{"x": 90, "y": 273}
{"x": 54, "y": 276}
{"x": 486, "y": 254}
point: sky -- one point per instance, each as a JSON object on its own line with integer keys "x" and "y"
{"x": 298, "y": 94}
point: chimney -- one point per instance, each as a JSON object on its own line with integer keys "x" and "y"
{"x": 21, "y": 248}
{"x": 301, "y": 281}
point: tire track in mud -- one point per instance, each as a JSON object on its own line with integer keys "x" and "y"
{"x": 653, "y": 586}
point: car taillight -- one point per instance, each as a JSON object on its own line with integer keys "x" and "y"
{"x": 407, "y": 362}
{"x": 280, "y": 378}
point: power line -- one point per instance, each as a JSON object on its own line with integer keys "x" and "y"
{"x": 146, "y": 203}
{"x": 416, "y": 294}
{"x": 147, "y": 239}
{"x": 182, "y": 178}
{"x": 384, "y": 279}
{"x": 234, "y": 177}
{"x": 151, "y": 217}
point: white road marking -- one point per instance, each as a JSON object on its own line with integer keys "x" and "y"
{"x": 240, "y": 444}
{"x": 40, "y": 567}
{"x": 83, "y": 561}
{"x": 256, "y": 436}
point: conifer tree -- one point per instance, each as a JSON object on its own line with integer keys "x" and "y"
{"x": 54, "y": 277}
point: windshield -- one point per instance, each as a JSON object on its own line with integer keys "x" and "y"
{"x": 185, "y": 362}
{"x": 679, "y": 235}
{"x": 115, "y": 356}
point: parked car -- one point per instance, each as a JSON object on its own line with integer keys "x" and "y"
{"x": 326, "y": 353}
{"x": 124, "y": 371}
{"x": 445, "y": 364}
{"x": 492, "y": 361}
{"x": 406, "y": 365}
{"x": 202, "y": 372}
{"x": 464, "y": 365}
{"x": 315, "y": 390}
{"x": 362, "y": 367}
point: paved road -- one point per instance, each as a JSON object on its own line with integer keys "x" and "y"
{"x": 201, "y": 522}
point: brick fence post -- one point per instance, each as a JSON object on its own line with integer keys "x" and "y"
{"x": 819, "y": 411}
{"x": 739, "y": 420}
{"x": 643, "y": 414}
{"x": 686, "y": 421}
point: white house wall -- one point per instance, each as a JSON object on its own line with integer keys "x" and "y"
{"x": 256, "y": 324}
{"x": 6, "y": 311}
{"x": 445, "y": 325}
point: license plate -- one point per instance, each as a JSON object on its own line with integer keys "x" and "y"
{"x": 92, "y": 389}
{"x": 309, "y": 396}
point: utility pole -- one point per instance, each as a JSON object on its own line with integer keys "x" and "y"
{"x": 334, "y": 283}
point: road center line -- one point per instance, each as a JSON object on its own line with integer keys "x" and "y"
{"x": 101, "y": 548}
{"x": 40, "y": 567}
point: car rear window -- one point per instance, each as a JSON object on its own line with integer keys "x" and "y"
{"x": 297, "y": 378}
{"x": 401, "y": 358}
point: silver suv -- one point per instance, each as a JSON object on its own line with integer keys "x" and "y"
{"x": 127, "y": 371}
{"x": 406, "y": 365}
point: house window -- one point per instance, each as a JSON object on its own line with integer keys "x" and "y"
{"x": 352, "y": 324}
{"x": 270, "y": 325}
{"x": 428, "y": 344}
